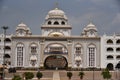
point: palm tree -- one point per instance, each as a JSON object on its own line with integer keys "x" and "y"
{"x": 69, "y": 75}
{"x": 39, "y": 75}
{"x": 81, "y": 74}
{"x": 106, "y": 74}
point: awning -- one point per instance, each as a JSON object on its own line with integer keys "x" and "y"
{"x": 33, "y": 58}
{"x": 78, "y": 58}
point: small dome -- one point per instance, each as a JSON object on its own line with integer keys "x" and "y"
{"x": 91, "y": 26}
{"x": 56, "y": 13}
{"x": 22, "y": 24}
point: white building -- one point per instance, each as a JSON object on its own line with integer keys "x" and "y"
{"x": 7, "y": 49}
{"x": 57, "y": 48}
{"x": 110, "y": 51}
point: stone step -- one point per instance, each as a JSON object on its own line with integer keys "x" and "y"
{"x": 56, "y": 75}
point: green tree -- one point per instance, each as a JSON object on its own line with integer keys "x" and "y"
{"x": 39, "y": 75}
{"x": 16, "y": 77}
{"x": 106, "y": 74}
{"x": 81, "y": 75}
{"x": 28, "y": 75}
{"x": 69, "y": 75}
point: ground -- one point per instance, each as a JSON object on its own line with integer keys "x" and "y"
{"x": 61, "y": 75}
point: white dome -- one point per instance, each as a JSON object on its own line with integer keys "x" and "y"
{"x": 91, "y": 26}
{"x": 56, "y": 13}
{"x": 22, "y": 24}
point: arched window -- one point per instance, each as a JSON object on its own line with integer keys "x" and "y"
{"x": 20, "y": 52}
{"x": 77, "y": 49}
{"x": 33, "y": 49}
{"x": 109, "y": 57}
{"x": 49, "y": 22}
{"x": 109, "y": 49}
{"x": 118, "y": 49}
{"x": 91, "y": 55}
{"x": 56, "y": 23}
{"x": 110, "y": 66}
{"x": 63, "y": 23}
{"x": 7, "y": 40}
{"x": 7, "y": 56}
{"x": 118, "y": 57}
{"x": 7, "y": 48}
{"x": 109, "y": 41}
{"x": 118, "y": 41}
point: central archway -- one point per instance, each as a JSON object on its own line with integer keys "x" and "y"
{"x": 55, "y": 62}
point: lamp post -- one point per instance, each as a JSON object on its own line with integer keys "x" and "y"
{"x": 93, "y": 73}
{"x": 3, "y": 75}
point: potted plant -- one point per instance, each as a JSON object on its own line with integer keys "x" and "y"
{"x": 69, "y": 75}
{"x": 81, "y": 75}
{"x": 39, "y": 75}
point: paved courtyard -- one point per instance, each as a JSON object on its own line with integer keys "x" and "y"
{"x": 62, "y": 75}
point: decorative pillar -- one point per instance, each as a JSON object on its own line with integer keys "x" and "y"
{"x": 42, "y": 54}
{"x": 69, "y": 54}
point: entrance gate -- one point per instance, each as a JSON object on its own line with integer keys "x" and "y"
{"x": 55, "y": 62}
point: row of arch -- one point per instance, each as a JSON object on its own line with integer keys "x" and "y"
{"x": 111, "y": 49}
{"x": 7, "y": 40}
{"x": 110, "y": 66}
{"x": 56, "y": 23}
{"x": 110, "y": 41}
{"x": 111, "y": 57}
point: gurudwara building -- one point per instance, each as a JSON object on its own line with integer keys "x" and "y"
{"x": 56, "y": 47}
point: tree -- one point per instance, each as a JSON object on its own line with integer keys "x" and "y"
{"x": 16, "y": 77}
{"x": 69, "y": 75}
{"x": 39, "y": 75}
{"x": 81, "y": 74}
{"x": 106, "y": 74}
{"x": 28, "y": 75}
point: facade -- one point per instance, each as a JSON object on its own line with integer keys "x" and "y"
{"x": 56, "y": 47}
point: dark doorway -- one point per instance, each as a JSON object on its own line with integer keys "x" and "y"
{"x": 110, "y": 66}
{"x": 55, "y": 62}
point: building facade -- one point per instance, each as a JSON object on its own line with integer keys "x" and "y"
{"x": 56, "y": 47}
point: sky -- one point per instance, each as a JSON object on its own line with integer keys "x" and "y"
{"x": 105, "y": 14}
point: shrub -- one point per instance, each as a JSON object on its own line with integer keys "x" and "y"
{"x": 39, "y": 75}
{"x": 16, "y": 77}
{"x": 28, "y": 75}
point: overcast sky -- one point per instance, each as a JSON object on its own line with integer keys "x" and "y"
{"x": 105, "y": 14}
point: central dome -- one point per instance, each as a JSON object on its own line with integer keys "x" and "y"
{"x": 56, "y": 13}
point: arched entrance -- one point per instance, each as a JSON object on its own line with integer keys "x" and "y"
{"x": 110, "y": 66}
{"x": 55, "y": 62}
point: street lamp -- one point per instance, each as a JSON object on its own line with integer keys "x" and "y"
{"x": 3, "y": 75}
{"x": 118, "y": 68}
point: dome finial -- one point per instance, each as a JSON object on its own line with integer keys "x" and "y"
{"x": 90, "y": 20}
{"x": 56, "y": 5}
